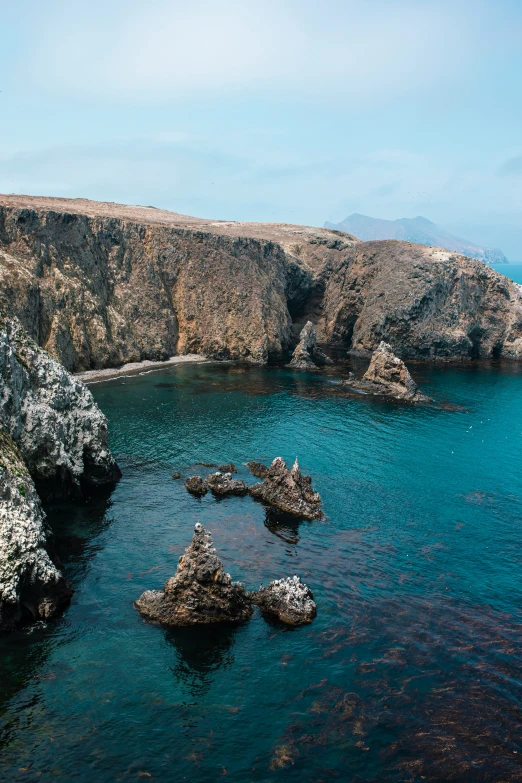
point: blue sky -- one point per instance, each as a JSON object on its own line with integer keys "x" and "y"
{"x": 292, "y": 110}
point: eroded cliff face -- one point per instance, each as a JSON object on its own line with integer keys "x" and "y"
{"x": 98, "y": 286}
{"x": 53, "y": 443}
{"x": 426, "y": 302}
{"x": 29, "y": 580}
{"x": 52, "y": 417}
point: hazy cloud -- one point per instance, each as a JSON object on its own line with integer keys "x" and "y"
{"x": 512, "y": 166}
{"x": 350, "y": 50}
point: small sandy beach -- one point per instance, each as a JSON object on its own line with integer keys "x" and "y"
{"x": 137, "y": 368}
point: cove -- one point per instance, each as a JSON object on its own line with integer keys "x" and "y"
{"x": 412, "y": 668}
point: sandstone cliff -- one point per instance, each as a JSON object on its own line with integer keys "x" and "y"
{"x": 98, "y": 285}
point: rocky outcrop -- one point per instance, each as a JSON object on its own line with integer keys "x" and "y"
{"x": 223, "y": 484}
{"x": 388, "y": 375}
{"x": 288, "y": 491}
{"x": 52, "y": 432}
{"x": 31, "y": 587}
{"x": 201, "y": 592}
{"x": 426, "y": 302}
{"x": 258, "y": 469}
{"x": 289, "y": 600}
{"x": 52, "y": 417}
{"x": 307, "y": 355}
{"x": 196, "y": 486}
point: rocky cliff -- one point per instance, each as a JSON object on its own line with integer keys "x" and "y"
{"x": 426, "y": 302}
{"x": 29, "y": 580}
{"x": 52, "y": 432}
{"x": 98, "y": 285}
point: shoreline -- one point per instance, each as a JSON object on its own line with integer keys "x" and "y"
{"x": 138, "y": 368}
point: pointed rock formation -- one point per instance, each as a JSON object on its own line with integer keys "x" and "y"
{"x": 307, "y": 356}
{"x": 200, "y": 592}
{"x": 288, "y": 599}
{"x": 389, "y": 376}
{"x": 289, "y": 491}
{"x": 224, "y": 484}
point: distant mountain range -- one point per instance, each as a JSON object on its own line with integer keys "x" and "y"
{"x": 419, "y": 230}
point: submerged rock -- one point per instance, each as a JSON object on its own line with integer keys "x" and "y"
{"x": 289, "y": 491}
{"x": 258, "y": 469}
{"x": 229, "y": 468}
{"x": 288, "y": 599}
{"x": 224, "y": 484}
{"x": 307, "y": 355}
{"x": 30, "y": 584}
{"x": 201, "y": 591}
{"x": 196, "y": 486}
{"x": 176, "y": 475}
{"x": 388, "y": 375}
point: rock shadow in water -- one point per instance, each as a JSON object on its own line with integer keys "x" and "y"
{"x": 201, "y": 651}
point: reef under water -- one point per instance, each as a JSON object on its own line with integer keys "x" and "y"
{"x": 412, "y": 668}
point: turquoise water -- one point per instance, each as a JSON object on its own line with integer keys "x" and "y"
{"x": 412, "y": 669}
{"x": 513, "y": 271}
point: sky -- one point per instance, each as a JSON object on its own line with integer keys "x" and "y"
{"x": 272, "y": 110}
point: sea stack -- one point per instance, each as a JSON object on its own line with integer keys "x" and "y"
{"x": 200, "y": 592}
{"x": 388, "y": 375}
{"x": 307, "y": 356}
{"x": 288, "y": 491}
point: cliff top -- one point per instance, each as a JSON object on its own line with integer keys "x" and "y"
{"x": 304, "y": 242}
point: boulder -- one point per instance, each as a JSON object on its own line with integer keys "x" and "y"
{"x": 196, "y": 486}
{"x": 201, "y": 592}
{"x": 389, "y": 376}
{"x": 287, "y": 599}
{"x": 224, "y": 484}
{"x": 258, "y": 469}
{"x": 307, "y": 355}
{"x": 289, "y": 491}
{"x": 228, "y": 468}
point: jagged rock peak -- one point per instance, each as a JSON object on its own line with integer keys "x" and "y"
{"x": 288, "y": 599}
{"x": 307, "y": 355}
{"x": 289, "y": 491}
{"x": 200, "y": 592}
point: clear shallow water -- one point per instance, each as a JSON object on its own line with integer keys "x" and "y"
{"x": 412, "y": 669}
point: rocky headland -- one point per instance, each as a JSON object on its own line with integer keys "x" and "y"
{"x": 53, "y": 444}
{"x": 99, "y": 285}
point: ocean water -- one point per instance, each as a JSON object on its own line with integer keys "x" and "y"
{"x": 513, "y": 271}
{"x": 412, "y": 669}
